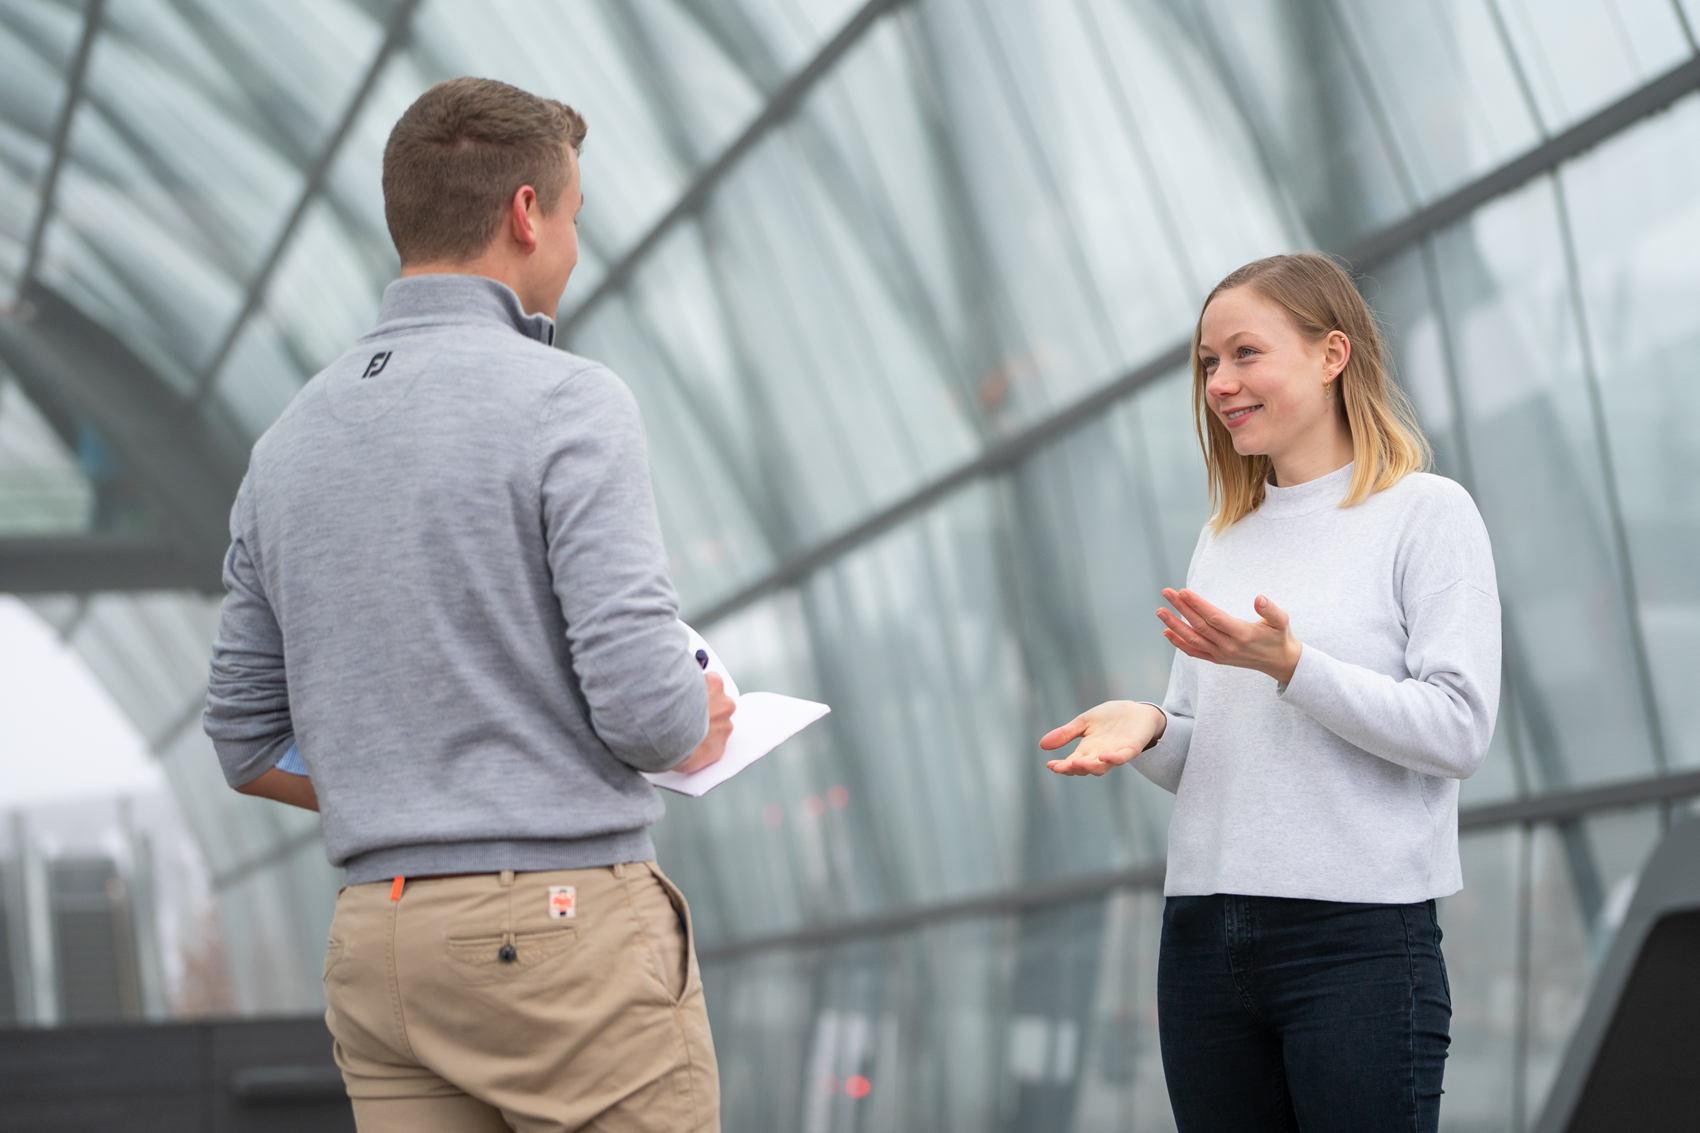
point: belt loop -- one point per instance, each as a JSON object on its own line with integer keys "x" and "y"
{"x": 620, "y": 870}
{"x": 507, "y": 879}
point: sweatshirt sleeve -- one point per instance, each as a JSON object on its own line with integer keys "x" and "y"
{"x": 247, "y": 714}
{"x": 646, "y": 695}
{"x": 1440, "y": 718}
{"x": 1164, "y": 762}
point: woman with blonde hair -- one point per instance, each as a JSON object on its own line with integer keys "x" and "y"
{"x": 1314, "y": 746}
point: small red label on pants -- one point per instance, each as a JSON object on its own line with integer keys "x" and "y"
{"x": 563, "y": 901}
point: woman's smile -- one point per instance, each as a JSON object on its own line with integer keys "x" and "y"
{"x": 1235, "y": 417}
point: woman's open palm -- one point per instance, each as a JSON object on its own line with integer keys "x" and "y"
{"x": 1109, "y": 735}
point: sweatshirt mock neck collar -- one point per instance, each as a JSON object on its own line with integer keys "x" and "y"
{"x": 471, "y": 299}
{"x": 1302, "y": 499}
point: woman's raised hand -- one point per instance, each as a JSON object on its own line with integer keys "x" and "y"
{"x": 1109, "y": 735}
{"x": 1207, "y": 633}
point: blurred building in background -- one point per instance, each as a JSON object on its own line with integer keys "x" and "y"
{"x": 905, "y": 290}
{"x": 103, "y": 911}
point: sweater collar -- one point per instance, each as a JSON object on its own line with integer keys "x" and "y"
{"x": 461, "y": 300}
{"x": 1302, "y": 499}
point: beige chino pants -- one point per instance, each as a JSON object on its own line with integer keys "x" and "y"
{"x": 563, "y": 1000}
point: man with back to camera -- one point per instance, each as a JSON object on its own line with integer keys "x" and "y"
{"x": 447, "y": 587}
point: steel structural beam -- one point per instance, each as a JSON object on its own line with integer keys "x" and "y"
{"x": 88, "y": 564}
{"x": 1553, "y": 807}
{"x": 74, "y": 78}
{"x": 997, "y": 457}
{"x": 780, "y": 107}
{"x": 1655, "y": 96}
{"x": 255, "y": 294}
{"x": 1585, "y": 135}
{"x": 187, "y": 461}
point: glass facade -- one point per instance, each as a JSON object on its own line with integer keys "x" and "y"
{"x": 903, "y": 290}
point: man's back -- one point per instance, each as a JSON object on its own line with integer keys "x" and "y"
{"x": 446, "y": 577}
{"x": 452, "y": 533}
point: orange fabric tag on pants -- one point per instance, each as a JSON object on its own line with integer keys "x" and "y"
{"x": 395, "y": 890}
{"x": 563, "y": 901}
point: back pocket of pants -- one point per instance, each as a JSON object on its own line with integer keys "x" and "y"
{"x": 492, "y": 958}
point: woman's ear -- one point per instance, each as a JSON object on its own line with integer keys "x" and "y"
{"x": 1336, "y": 352}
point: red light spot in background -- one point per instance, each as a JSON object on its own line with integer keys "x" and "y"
{"x": 829, "y": 1085}
{"x": 772, "y": 814}
{"x": 857, "y": 1086}
{"x": 814, "y": 806}
{"x": 838, "y": 798}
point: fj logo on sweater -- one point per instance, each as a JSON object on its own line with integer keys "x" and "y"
{"x": 563, "y": 902}
{"x": 377, "y": 364}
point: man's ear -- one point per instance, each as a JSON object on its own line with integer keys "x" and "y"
{"x": 520, "y": 222}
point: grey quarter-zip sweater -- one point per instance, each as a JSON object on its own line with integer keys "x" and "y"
{"x": 446, "y": 583}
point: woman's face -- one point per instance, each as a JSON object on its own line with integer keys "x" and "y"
{"x": 1265, "y": 380}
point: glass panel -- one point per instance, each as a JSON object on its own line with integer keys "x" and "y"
{"x": 713, "y": 464}
{"x": 1404, "y": 291}
{"x": 652, "y": 123}
{"x": 150, "y": 651}
{"x": 1305, "y": 104}
{"x": 43, "y": 488}
{"x": 926, "y": 757}
{"x": 1540, "y": 487}
{"x": 828, "y": 324}
{"x": 1561, "y": 961}
{"x": 1480, "y": 946}
{"x": 187, "y": 153}
{"x": 1121, "y": 1076}
{"x": 1039, "y": 1022}
{"x": 275, "y": 890}
{"x": 37, "y": 42}
{"x": 1449, "y": 93}
{"x": 324, "y": 297}
{"x": 1635, "y": 228}
{"x": 1579, "y": 55}
{"x": 1688, "y": 12}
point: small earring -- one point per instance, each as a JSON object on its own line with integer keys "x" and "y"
{"x": 1327, "y": 390}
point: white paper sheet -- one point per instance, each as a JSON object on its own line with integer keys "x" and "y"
{"x": 760, "y": 722}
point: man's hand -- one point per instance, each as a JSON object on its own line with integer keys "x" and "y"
{"x": 1204, "y": 632}
{"x": 282, "y": 787}
{"x": 713, "y": 746}
{"x": 1110, "y": 735}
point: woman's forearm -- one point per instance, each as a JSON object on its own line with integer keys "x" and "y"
{"x": 1439, "y": 726}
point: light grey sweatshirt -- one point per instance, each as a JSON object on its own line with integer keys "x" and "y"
{"x": 446, "y": 581}
{"x": 1343, "y": 784}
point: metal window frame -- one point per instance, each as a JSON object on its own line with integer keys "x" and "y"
{"x": 1556, "y": 806}
{"x": 74, "y": 79}
{"x": 777, "y": 110}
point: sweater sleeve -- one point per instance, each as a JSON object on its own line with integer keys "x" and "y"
{"x": 1440, "y": 718}
{"x": 646, "y": 696}
{"x": 1164, "y": 762}
{"x": 247, "y": 715}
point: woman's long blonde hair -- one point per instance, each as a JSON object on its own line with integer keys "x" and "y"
{"x": 1387, "y": 442}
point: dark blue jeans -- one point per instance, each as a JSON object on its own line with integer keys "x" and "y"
{"x": 1321, "y": 1016}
